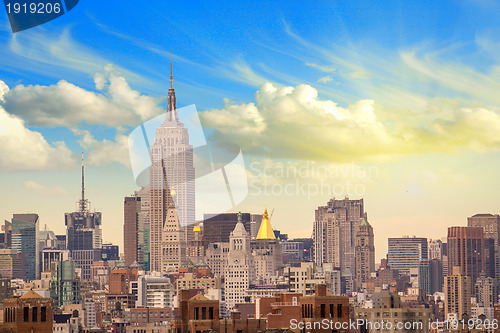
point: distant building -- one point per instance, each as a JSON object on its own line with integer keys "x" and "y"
{"x": 486, "y": 291}
{"x": 25, "y": 240}
{"x": 405, "y": 253}
{"x": 299, "y": 313}
{"x": 491, "y": 230}
{"x": 435, "y": 249}
{"x": 64, "y": 287}
{"x": 201, "y": 314}
{"x": 12, "y": 264}
{"x": 143, "y": 241}
{"x": 335, "y": 229}
{"x": 51, "y": 255}
{"x": 240, "y": 272}
{"x": 266, "y": 251}
{"x": 172, "y": 190}
{"x": 466, "y": 249}
{"x": 430, "y": 276}
{"x": 387, "y": 311}
{"x": 153, "y": 292}
{"x": 292, "y": 251}
{"x": 216, "y": 258}
{"x": 110, "y": 252}
{"x": 191, "y": 281}
{"x": 84, "y": 234}
{"x": 133, "y": 226}
{"x": 365, "y": 254}
{"x": 6, "y": 289}
{"x": 196, "y": 249}
{"x": 457, "y": 289}
{"x": 28, "y": 313}
{"x": 142, "y": 316}
{"x": 218, "y": 227}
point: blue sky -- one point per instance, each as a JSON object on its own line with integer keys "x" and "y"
{"x": 412, "y": 86}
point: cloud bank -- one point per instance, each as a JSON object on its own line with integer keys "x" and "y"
{"x": 293, "y": 122}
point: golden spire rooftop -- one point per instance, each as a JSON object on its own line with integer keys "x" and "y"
{"x": 265, "y": 230}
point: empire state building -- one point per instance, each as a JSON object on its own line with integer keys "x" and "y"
{"x": 172, "y": 190}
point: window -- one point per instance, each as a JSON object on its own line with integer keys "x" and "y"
{"x": 43, "y": 314}
{"x": 26, "y": 316}
{"x": 34, "y": 314}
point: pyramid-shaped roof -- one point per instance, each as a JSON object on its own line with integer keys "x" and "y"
{"x": 265, "y": 230}
{"x": 31, "y": 294}
{"x": 365, "y": 223}
{"x": 199, "y": 297}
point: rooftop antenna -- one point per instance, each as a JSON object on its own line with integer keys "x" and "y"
{"x": 83, "y": 202}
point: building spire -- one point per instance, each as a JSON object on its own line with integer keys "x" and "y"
{"x": 171, "y": 75}
{"x": 83, "y": 201}
{"x": 171, "y": 101}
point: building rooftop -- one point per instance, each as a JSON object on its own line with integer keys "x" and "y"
{"x": 265, "y": 230}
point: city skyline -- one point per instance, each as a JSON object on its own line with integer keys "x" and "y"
{"x": 415, "y": 106}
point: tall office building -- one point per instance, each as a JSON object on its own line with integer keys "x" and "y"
{"x": 335, "y": 229}
{"x": 240, "y": 269}
{"x": 64, "y": 287}
{"x": 491, "y": 229}
{"x": 25, "y": 240}
{"x": 84, "y": 234}
{"x": 172, "y": 190}
{"x": 365, "y": 253}
{"x": 12, "y": 264}
{"x": 133, "y": 230}
{"x": 266, "y": 250}
{"x": 406, "y": 253}
{"x": 430, "y": 276}
{"x": 466, "y": 249}
{"x": 457, "y": 289}
{"x": 218, "y": 227}
{"x": 144, "y": 195}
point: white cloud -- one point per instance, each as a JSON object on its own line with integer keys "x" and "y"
{"x": 65, "y": 104}
{"x": 326, "y": 69}
{"x": 292, "y": 122}
{"x": 105, "y": 152}
{"x": 325, "y": 79}
{"x": 23, "y": 149}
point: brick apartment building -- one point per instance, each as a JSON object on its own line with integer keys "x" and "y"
{"x": 30, "y": 313}
{"x": 282, "y": 310}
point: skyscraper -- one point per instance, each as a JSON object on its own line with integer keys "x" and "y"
{"x": 240, "y": 268}
{"x": 365, "y": 253}
{"x": 266, "y": 250}
{"x": 144, "y": 195}
{"x": 457, "y": 289}
{"x": 430, "y": 276}
{"x": 335, "y": 229}
{"x": 218, "y": 227}
{"x": 64, "y": 287}
{"x": 406, "y": 253}
{"x": 466, "y": 249}
{"x": 172, "y": 196}
{"x": 25, "y": 240}
{"x": 83, "y": 233}
{"x": 491, "y": 229}
{"x": 133, "y": 235}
